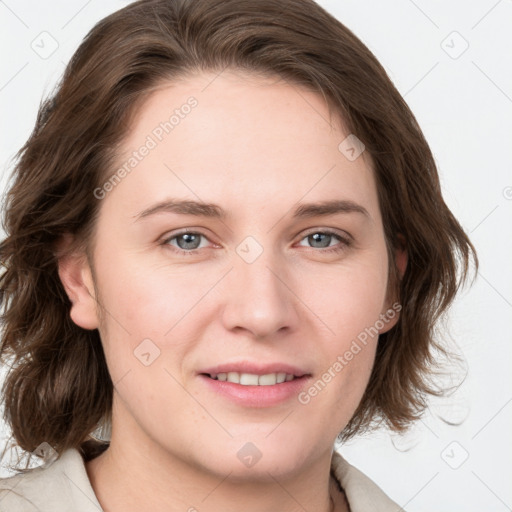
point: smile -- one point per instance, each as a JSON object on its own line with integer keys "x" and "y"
{"x": 251, "y": 379}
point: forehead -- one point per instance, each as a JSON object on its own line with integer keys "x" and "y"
{"x": 241, "y": 139}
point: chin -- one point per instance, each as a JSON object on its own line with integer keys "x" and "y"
{"x": 268, "y": 469}
{"x": 262, "y": 457}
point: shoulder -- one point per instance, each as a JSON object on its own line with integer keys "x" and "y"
{"x": 362, "y": 493}
{"x": 61, "y": 486}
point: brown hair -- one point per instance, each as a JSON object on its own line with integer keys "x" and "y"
{"x": 58, "y": 388}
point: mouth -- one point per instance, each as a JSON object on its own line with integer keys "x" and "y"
{"x": 254, "y": 390}
{"x": 254, "y": 383}
{"x": 252, "y": 379}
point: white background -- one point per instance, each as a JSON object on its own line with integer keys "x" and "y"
{"x": 463, "y": 102}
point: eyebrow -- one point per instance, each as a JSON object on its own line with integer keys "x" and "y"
{"x": 201, "y": 209}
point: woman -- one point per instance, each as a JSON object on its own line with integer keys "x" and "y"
{"x": 227, "y": 215}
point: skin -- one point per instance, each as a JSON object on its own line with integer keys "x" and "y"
{"x": 256, "y": 147}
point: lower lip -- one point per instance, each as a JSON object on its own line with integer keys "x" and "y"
{"x": 257, "y": 396}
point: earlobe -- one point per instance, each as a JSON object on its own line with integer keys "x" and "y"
{"x": 401, "y": 256}
{"x": 390, "y": 316}
{"x": 76, "y": 277}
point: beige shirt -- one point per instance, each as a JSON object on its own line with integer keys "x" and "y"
{"x": 64, "y": 486}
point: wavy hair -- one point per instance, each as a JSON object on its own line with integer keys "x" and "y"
{"x": 58, "y": 388}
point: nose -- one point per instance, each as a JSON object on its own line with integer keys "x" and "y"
{"x": 259, "y": 297}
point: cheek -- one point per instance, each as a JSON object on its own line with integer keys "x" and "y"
{"x": 348, "y": 299}
{"x": 348, "y": 304}
{"x": 146, "y": 298}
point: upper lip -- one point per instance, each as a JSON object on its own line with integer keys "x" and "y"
{"x": 254, "y": 368}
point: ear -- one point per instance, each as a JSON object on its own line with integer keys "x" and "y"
{"x": 76, "y": 277}
{"x": 389, "y": 317}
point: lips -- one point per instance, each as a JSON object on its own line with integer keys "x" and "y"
{"x": 251, "y": 379}
{"x": 256, "y": 387}
{"x": 253, "y": 368}
{"x": 255, "y": 396}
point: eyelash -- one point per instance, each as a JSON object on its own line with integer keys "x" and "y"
{"x": 345, "y": 242}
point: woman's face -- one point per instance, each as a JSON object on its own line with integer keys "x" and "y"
{"x": 264, "y": 283}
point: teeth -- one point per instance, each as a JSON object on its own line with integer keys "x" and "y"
{"x": 233, "y": 377}
{"x": 250, "y": 379}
